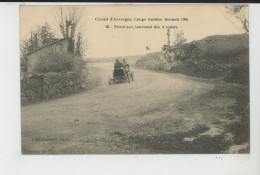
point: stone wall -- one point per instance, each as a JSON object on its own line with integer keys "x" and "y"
{"x": 44, "y": 86}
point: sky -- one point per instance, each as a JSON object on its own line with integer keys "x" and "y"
{"x": 203, "y": 21}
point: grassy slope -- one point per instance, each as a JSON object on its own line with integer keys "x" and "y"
{"x": 212, "y": 57}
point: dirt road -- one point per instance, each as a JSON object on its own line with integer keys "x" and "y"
{"x": 149, "y": 115}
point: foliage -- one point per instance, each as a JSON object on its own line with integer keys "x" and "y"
{"x": 81, "y": 45}
{"x": 80, "y": 68}
{"x": 54, "y": 61}
{"x": 239, "y": 72}
{"x": 78, "y": 64}
{"x": 179, "y": 39}
{"x": 24, "y": 63}
{"x": 174, "y": 51}
{"x": 46, "y": 34}
{"x": 222, "y": 56}
{"x": 43, "y": 36}
{"x": 68, "y": 19}
{"x": 240, "y": 12}
{"x": 212, "y": 57}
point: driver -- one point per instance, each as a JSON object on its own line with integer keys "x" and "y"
{"x": 117, "y": 64}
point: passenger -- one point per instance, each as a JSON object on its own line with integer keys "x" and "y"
{"x": 126, "y": 66}
{"x": 117, "y": 64}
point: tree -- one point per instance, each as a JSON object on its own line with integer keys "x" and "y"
{"x": 179, "y": 39}
{"x": 240, "y": 12}
{"x": 44, "y": 35}
{"x": 174, "y": 52}
{"x": 81, "y": 45}
{"x": 177, "y": 43}
{"x": 68, "y": 19}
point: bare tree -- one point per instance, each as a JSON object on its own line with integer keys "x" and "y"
{"x": 240, "y": 12}
{"x": 81, "y": 45}
{"x": 68, "y": 19}
{"x": 177, "y": 43}
{"x": 179, "y": 39}
{"x": 174, "y": 52}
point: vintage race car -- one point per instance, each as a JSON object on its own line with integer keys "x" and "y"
{"x": 120, "y": 75}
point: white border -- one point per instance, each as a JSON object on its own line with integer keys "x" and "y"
{"x": 12, "y": 162}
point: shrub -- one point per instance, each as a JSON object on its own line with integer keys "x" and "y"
{"x": 238, "y": 74}
{"x": 24, "y": 64}
{"x": 80, "y": 69}
{"x": 54, "y": 61}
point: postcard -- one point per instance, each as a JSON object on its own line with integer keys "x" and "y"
{"x": 134, "y": 79}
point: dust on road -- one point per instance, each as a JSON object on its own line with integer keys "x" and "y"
{"x": 144, "y": 116}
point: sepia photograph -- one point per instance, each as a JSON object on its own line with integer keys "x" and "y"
{"x": 134, "y": 79}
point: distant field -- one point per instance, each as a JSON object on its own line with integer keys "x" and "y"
{"x": 130, "y": 59}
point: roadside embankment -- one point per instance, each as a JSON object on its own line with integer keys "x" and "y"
{"x": 220, "y": 56}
